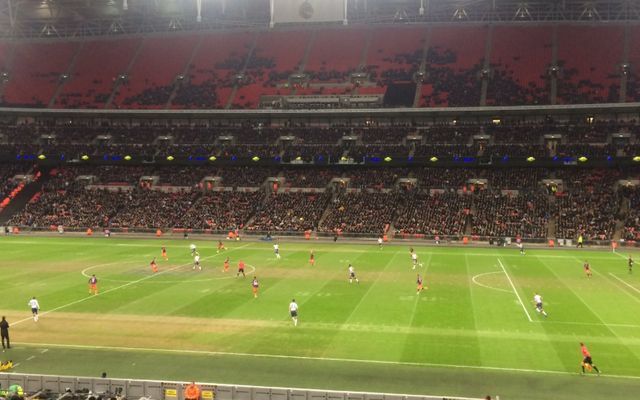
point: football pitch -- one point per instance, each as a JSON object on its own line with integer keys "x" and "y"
{"x": 473, "y": 331}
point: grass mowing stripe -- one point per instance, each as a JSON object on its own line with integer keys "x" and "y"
{"x": 587, "y": 323}
{"x": 625, "y": 283}
{"x": 373, "y": 284}
{"x": 345, "y": 360}
{"x": 435, "y": 250}
{"x": 515, "y": 291}
{"x": 609, "y": 327}
{"x": 113, "y": 289}
{"x": 606, "y": 279}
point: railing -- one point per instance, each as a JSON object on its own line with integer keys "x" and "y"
{"x": 171, "y": 390}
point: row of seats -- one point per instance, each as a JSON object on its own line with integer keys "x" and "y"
{"x": 201, "y": 70}
{"x": 496, "y": 140}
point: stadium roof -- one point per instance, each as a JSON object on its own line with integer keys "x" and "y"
{"x": 54, "y": 18}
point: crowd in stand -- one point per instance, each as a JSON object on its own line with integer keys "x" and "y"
{"x": 360, "y": 213}
{"x": 7, "y": 173}
{"x": 525, "y": 214}
{"x": 497, "y": 141}
{"x": 290, "y": 212}
{"x": 441, "y": 214}
{"x": 506, "y": 90}
{"x": 309, "y": 178}
{"x": 632, "y": 218}
{"x": 588, "y": 205}
{"x": 428, "y": 201}
{"x": 222, "y": 210}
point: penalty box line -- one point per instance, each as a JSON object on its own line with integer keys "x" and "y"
{"x": 515, "y": 291}
{"x": 308, "y": 358}
{"x": 121, "y": 287}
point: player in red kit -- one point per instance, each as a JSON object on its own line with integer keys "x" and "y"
{"x": 587, "y": 362}
{"x": 420, "y": 287}
{"x": 587, "y": 269}
{"x": 312, "y": 259}
{"x": 226, "y": 265}
{"x": 164, "y": 254}
{"x": 241, "y": 269}
{"x": 93, "y": 285}
{"x": 220, "y": 246}
{"x": 153, "y": 265}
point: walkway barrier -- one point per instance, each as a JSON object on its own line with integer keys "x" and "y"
{"x": 171, "y": 390}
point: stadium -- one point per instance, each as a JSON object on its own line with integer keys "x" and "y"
{"x": 319, "y": 199}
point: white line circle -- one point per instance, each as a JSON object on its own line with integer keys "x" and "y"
{"x": 487, "y": 286}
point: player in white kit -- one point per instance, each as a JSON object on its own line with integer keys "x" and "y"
{"x": 537, "y": 300}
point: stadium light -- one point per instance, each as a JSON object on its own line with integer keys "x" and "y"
{"x": 636, "y": 158}
{"x": 583, "y": 159}
{"x": 85, "y": 157}
{"x": 531, "y": 159}
{"x": 433, "y": 159}
{"x": 127, "y": 158}
{"x": 213, "y": 158}
{"x": 170, "y": 158}
{"x": 255, "y": 158}
{"x": 387, "y": 159}
{"x": 41, "y": 157}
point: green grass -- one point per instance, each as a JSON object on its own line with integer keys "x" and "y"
{"x": 467, "y": 335}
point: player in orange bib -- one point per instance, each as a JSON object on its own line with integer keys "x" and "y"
{"x": 312, "y": 259}
{"x": 226, "y": 265}
{"x": 587, "y": 269}
{"x": 254, "y": 287}
{"x": 419, "y": 283}
{"x": 240, "y": 269}
{"x": 93, "y": 285}
{"x": 153, "y": 265}
{"x": 587, "y": 361}
{"x": 164, "y": 254}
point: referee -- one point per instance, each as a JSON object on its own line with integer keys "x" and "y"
{"x": 4, "y": 332}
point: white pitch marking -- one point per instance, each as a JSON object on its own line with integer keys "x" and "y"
{"x": 606, "y": 324}
{"x": 44, "y": 351}
{"x": 625, "y": 283}
{"x": 346, "y": 360}
{"x": 31, "y": 358}
{"x": 515, "y": 291}
{"x": 487, "y": 286}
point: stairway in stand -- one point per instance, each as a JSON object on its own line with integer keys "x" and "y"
{"x": 25, "y": 195}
